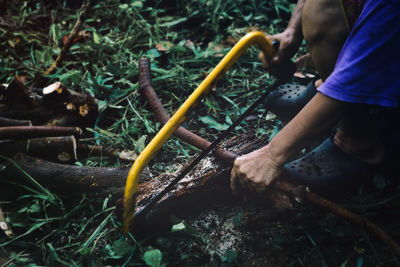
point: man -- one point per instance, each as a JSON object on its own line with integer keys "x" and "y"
{"x": 354, "y": 45}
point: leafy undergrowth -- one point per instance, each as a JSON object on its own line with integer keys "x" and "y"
{"x": 184, "y": 41}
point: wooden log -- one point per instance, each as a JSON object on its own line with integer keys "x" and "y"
{"x": 54, "y": 105}
{"x": 66, "y": 179}
{"x": 38, "y": 114}
{"x": 11, "y": 122}
{"x": 74, "y": 108}
{"x": 15, "y": 91}
{"x": 69, "y": 179}
{"x": 26, "y": 132}
{"x": 207, "y": 185}
{"x": 56, "y": 149}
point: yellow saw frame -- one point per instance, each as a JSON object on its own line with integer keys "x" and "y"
{"x": 253, "y": 38}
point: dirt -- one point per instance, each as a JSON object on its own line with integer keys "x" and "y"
{"x": 303, "y": 236}
{"x": 251, "y": 233}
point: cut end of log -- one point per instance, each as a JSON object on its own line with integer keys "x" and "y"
{"x": 4, "y": 225}
{"x": 55, "y": 87}
{"x": 83, "y": 110}
{"x": 70, "y": 106}
{"x": 76, "y": 108}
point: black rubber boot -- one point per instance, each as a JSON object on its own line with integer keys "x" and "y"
{"x": 327, "y": 169}
{"x": 289, "y": 99}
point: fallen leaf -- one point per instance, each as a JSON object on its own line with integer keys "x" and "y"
{"x": 253, "y": 29}
{"x": 164, "y": 46}
{"x": 230, "y": 40}
{"x": 189, "y": 44}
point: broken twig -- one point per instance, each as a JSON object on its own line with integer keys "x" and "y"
{"x": 74, "y": 32}
{"x": 12, "y": 122}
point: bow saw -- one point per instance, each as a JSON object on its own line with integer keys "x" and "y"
{"x": 253, "y": 38}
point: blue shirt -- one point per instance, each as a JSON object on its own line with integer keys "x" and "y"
{"x": 368, "y": 67}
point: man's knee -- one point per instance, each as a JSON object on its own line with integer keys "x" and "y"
{"x": 325, "y": 31}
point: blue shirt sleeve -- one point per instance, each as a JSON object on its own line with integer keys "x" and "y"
{"x": 368, "y": 67}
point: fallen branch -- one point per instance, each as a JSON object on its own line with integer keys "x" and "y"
{"x": 147, "y": 90}
{"x": 75, "y": 108}
{"x": 74, "y": 32}
{"x": 367, "y": 224}
{"x": 36, "y": 113}
{"x": 57, "y": 149}
{"x": 26, "y": 132}
{"x": 294, "y": 191}
{"x": 12, "y": 122}
{"x": 15, "y": 91}
{"x": 66, "y": 179}
{"x": 55, "y": 105}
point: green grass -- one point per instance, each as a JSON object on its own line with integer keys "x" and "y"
{"x": 52, "y": 230}
{"x": 63, "y": 231}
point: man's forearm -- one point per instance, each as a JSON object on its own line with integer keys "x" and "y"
{"x": 294, "y": 25}
{"x": 316, "y": 118}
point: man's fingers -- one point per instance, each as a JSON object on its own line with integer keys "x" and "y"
{"x": 234, "y": 181}
{"x": 256, "y": 186}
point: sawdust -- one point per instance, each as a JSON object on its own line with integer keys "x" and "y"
{"x": 221, "y": 233}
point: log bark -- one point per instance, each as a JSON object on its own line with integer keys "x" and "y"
{"x": 207, "y": 185}
{"x": 54, "y": 105}
{"x": 15, "y": 91}
{"x": 11, "y": 122}
{"x": 74, "y": 108}
{"x": 86, "y": 7}
{"x": 67, "y": 179}
{"x": 26, "y": 132}
{"x": 26, "y": 111}
{"x": 56, "y": 149}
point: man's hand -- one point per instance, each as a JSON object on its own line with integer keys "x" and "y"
{"x": 254, "y": 171}
{"x": 279, "y": 64}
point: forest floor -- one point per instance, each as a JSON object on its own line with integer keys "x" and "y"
{"x": 184, "y": 40}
